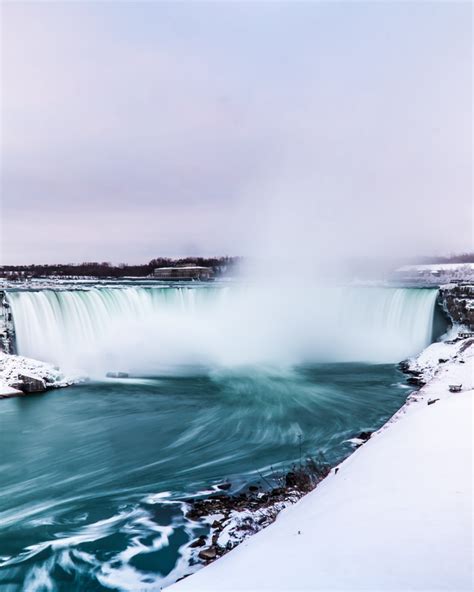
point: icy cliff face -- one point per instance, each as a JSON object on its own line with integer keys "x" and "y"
{"x": 6, "y": 326}
{"x": 458, "y": 303}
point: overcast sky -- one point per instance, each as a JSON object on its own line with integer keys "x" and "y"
{"x": 132, "y": 130}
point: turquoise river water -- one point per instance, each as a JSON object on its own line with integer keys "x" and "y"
{"x": 93, "y": 476}
{"x": 81, "y": 467}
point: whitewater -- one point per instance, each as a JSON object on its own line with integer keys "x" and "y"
{"x": 227, "y": 383}
{"x": 140, "y": 330}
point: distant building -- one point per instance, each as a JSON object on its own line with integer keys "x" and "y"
{"x": 185, "y": 272}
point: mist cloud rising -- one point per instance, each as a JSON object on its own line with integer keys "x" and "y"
{"x": 131, "y": 130}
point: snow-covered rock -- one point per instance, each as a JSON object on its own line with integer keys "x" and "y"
{"x": 8, "y": 391}
{"x": 431, "y": 360}
{"x": 20, "y": 375}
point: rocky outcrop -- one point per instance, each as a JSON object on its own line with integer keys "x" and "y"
{"x": 29, "y": 384}
{"x": 7, "y": 330}
{"x": 233, "y": 517}
{"x": 20, "y": 375}
{"x": 458, "y": 303}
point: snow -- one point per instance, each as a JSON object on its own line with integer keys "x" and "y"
{"x": 438, "y": 267}
{"x": 436, "y": 274}
{"x": 429, "y": 361}
{"x": 12, "y": 366}
{"x": 396, "y": 515}
{"x": 8, "y": 391}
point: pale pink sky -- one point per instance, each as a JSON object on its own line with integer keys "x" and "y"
{"x": 137, "y": 129}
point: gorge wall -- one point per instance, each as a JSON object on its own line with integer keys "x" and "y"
{"x": 457, "y": 301}
{"x": 7, "y": 328}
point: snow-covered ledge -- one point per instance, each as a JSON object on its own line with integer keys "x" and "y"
{"x": 396, "y": 515}
{"x": 20, "y": 376}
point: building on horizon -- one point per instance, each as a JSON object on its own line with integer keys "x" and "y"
{"x": 184, "y": 272}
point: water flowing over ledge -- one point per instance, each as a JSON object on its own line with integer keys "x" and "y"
{"x": 246, "y": 389}
{"x": 133, "y": 329}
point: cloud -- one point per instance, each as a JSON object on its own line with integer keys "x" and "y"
{"x": 133, "y": 130}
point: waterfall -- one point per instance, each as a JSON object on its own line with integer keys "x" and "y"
{"x": 143, "y": 329}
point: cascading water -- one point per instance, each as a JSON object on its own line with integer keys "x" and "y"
{"x": 94, "y": 478}
{"x": 146, "y": 329}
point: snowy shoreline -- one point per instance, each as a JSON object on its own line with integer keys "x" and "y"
{"x": 20, "y": 376}
{"x": 402, "y": 500}
{"x": 395, "y": 515}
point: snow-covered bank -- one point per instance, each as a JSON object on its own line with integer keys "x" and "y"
{"x": 20, "y": 375}
{"x": 396, "y": 515}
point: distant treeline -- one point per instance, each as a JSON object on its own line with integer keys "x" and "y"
{"x": 108, "y": 270}
{"x": 218, "y": 264}
{"x": 461, "y": 258}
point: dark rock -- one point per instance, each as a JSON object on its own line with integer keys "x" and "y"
{"x": 415, "y": 381}
{"x": 431, "y": 401}
{"x": 291, "y": 479}
{"x": 208, "y": 554}
{"x": 253, "y": 488}
{"x": 364, "y": 436}
{"x": 457, "y": 304}
{"x": 224, "y": 486}
{"x": 216, "y": 524}
{"x": 200, "y": 542}
{"x": 30, "y": 384}
{"x": 193, "y": 515}
{"x": 404, "y": 366}
{"x": 277, "y": 491}
{"x": 218, "y": 496}
{"x": 442, "y": 360}
{"x": 465, "y": 345}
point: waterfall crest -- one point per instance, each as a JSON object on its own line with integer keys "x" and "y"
{"x": 144, "y": 329}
